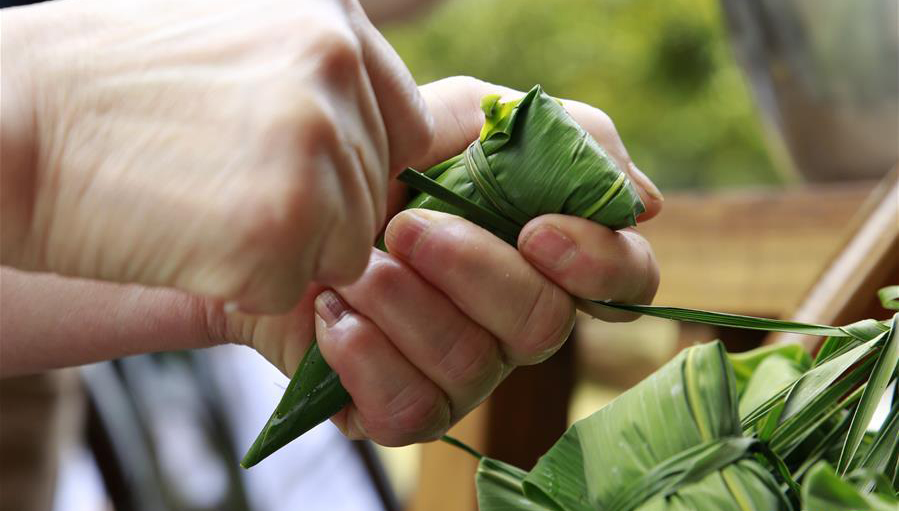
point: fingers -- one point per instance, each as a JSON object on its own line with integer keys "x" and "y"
{"x": 591, "y": 261}
{"x": 458, "y": 355}
{"x": 407, "y": 120}
{"x": 403, "y": 408}
{"x": 455, "y": 104}
{"x": 487, "y": 280}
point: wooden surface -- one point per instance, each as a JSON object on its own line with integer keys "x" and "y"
{"x": 522, "y": 419}
{"x": 446, "y": 477}
{"x": 749, "y": 252}
{"x": 845, "y": 290}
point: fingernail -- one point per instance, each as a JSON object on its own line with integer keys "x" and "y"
{"x": 404, "y": 233}
{"x": 330, "y": 307}
{"x": 549, "y": 247}
{"x": 641, "y": 180}
{"x": 231, "y": 307}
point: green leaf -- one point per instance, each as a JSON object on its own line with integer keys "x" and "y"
{"x": 889, "y": 297}
{"x": 619, "y": 457}
{"x": 497, "y": 224}
{"x": 313, "y": 394}
{"x": 823, "y": 490}
{"x": 558, "y": 480}
{"x": 499, "y": 488}
{"x": 812, "y": 383}
{"x": 822, "y": 446}
{"x": 772, "y": 375}
{"x": 533, "y": 159}
{"x": 791, "y": 432}
{"x": 881, "y": 375}
{"x": 689, "y": 466}
{"x": 727, "y": 320}
{"x": 861, "y": 331}
{"x": 744, "y": 364}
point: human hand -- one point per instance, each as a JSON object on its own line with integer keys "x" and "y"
{"x": 231, "y": 150}
{"x": 424, "y": 336}
{"x": 431, "y": 328}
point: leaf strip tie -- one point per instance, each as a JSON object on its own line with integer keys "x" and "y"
{"x": 478, "y": 169}
{"x": 606, "y": 197}
{"x": 505, "y": 228}
{"x": 683, "y": 468}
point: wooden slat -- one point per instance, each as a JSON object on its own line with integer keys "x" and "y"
{"x": 528, "y": 412}
{"x": 845, "y": 290}
{"x": 446, "y": 477}
{"x": 749, "y": 252}
{"x": 522, "y": 419}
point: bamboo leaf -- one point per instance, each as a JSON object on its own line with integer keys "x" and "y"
{"x": 880, "y": 377}
{"x": 727, "y": 320}
{"x": 773, "y": 374}
{"x": 889, "y": 297}
{"x": 495, "y": 223}
{"x": 689, "y": 466}
{"x": 745, "y": 364}
{"x": 812, "y": 383}
{"x": 868, "y": 481}
{"x": 791, "y": 432}
{"x": 314, "y": 386}
{"x": 816, "y": 453}
{"x": 499, "y": 488}
{"x": 558, "y": 481}
{"x": 618, "y": 458}
{"x": 823, "y": 490}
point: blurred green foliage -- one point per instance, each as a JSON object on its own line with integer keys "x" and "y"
{"x": 663, "y": 70}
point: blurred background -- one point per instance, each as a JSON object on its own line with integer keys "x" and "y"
{"x": 664, "y": 72}
{"x": 770, "y": 126}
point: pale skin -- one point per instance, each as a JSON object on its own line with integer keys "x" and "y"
{"x": 419, "y": 336}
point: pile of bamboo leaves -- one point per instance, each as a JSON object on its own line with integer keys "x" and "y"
{"x": 765, "y": 430}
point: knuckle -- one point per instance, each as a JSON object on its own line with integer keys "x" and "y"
{"x": 384, "y": 277}
{"x": 544, "y": 324}
{"x": 450, "y": 239}
{"x": 605, "y": 122}
{"x": 471, "y": 360}
{"x": 346, "y": 253}
{"x": 348, "y": 345}
{"x": 310, "y": 126}
{"x": 270, "y": 217}
{"x": 604, "y": 273}
{"x": 291, "y": 130}
{"x": 415, "y": 415}
{"x": 467, "y": 83}
{"x": 339, "y": 51}
{"x": 421, "y": 415}
{"x": 274, "y": 236}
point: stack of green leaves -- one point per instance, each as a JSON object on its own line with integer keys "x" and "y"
{"x": 530, "y": 159}
{"x": 710, "y": 431}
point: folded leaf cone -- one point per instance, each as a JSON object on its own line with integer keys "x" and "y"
{"x": 531, "y": 159}
{"x": 671, "y": 443}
